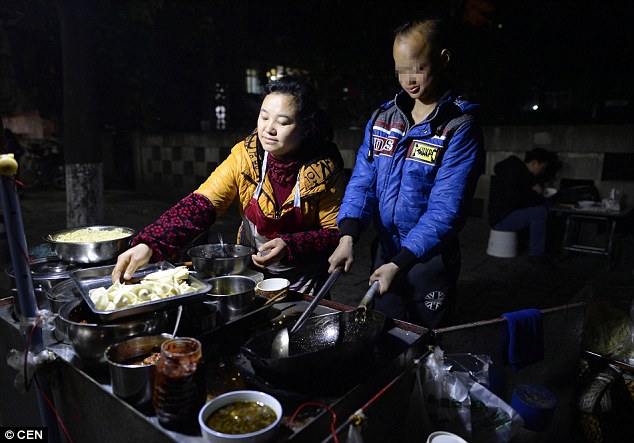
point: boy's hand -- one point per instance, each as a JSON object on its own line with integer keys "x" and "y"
{"x": 343, "y": 255}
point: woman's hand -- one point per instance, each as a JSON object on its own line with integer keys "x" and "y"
{"x": 386, "y": 275}
{"x": 270, "y": 252}
{"x": 343, "y": 255}
{"x": 129, "y": 261}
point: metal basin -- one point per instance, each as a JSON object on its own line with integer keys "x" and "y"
{"x": 89, "y": 337}
{"x": 90, "y": 252}
{"x": 210, "y": 260}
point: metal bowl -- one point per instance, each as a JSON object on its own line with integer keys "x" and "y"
{"x": 89, "y": 337}
{"x": 210, "y": 260}
{"x": 90, "y": 252}
{"x": 131, "y": 381}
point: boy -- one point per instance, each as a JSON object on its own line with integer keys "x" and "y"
{"x": 415, "y": 175}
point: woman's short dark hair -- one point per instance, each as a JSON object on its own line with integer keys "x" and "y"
{"x": 313, "y": 119}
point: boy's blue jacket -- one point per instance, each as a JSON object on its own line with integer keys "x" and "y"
{"x": 416, "y": 182}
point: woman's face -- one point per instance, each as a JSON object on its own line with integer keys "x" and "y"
{"x": 278, "y": 128}
{"x": 417, "y": 71}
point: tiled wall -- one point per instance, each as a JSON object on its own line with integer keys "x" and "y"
{"x": 175, "y": 164}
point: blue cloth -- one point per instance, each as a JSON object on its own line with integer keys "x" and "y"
{"x": 524, "y": 340}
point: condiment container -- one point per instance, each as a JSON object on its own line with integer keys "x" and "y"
{"x": 179, "y": 385}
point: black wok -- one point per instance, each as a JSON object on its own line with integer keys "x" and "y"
{"x": 322, "y": 343}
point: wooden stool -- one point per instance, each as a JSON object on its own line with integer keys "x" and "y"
{"x": 502, "y": 244}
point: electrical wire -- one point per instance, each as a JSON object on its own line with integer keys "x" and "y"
{"x": 323, "y": 406}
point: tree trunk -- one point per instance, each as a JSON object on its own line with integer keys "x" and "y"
{"x": 82, "y": 151}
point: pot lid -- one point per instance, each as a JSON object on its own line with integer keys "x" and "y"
{"x": 49, "y": 268}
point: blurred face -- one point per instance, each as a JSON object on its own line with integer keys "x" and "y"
{"x": 417, "y": 70}
{"x": 537, "y": 168}
{"x": 278, "y": 128}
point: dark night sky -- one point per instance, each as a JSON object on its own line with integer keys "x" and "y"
{"x": 571, "y": 55}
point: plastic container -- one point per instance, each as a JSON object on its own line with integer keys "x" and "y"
{"x": 502, "y": 244}
{"x": 535, "y": 404}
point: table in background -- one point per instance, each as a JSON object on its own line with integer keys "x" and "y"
{"x": 577, "y": 217}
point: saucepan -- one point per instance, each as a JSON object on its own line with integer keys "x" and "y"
{"x": 323, "y": 343}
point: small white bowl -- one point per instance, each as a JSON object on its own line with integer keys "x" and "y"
{"x": 586, "y": 203}
{"x": 261, "y": 436}
{"x": 550, "y": 192}
{"x": 273, "y": 288}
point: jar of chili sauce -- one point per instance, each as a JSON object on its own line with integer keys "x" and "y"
{"x": 179, "y": 385}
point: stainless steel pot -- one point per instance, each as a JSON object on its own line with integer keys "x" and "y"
{"x": 132, "y": 382}
{"x": 57, "y": 296}
{"x": 232, "y": 295}
{"x": 90, "y": 252}
{"x": 214, "y": 260}
{"x": 62, "y": 293}
{"x": 89, "y": 337}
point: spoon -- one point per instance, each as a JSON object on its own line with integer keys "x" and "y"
{"x": 178, "y": 320}
{"x": 280, "y": 345}
{"x": 222, "y": 246}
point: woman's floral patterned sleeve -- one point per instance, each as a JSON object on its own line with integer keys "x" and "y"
{"x": 178, "y": 226}
{"x": 305, "y": 247}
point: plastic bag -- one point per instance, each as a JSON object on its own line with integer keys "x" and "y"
{"x": 459, "y": 402}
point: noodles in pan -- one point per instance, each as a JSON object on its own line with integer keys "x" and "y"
{"x": 91, "y": 235}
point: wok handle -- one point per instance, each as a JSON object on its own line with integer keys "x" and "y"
{"x": 366, "y": 301}
{"x": 318, "y": 297}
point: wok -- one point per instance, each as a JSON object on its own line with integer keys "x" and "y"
{"x": 322, "y": 343}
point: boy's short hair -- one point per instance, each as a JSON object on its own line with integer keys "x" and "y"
{"x": 434, "y": 30}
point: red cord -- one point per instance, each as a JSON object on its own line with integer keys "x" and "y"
{"x": 37, "y": 384}
{"x": 323, "y": 406}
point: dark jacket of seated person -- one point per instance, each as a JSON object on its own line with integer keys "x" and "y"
{"x": 511, "y": 189}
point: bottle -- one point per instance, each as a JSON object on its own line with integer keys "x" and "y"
{"x": 179, "y": 385}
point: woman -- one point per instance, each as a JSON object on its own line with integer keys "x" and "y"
{"x": 289, "y": 181}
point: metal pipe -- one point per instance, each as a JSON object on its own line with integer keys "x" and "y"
{"x": 23, "y": 279}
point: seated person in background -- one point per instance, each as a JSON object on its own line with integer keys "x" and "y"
{"x": 516, "y": 200}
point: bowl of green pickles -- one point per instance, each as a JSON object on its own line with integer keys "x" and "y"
{"x": 240, "y": 416}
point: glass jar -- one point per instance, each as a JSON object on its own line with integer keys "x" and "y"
{"x": 179, "y": 385}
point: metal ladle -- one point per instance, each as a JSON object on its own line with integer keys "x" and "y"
{"x": 179, "y": 312}
{"x": 280, "y": 345}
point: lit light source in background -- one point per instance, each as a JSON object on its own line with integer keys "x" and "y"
{"x": 253, "y": 85}
{"x": 535, "y": 107}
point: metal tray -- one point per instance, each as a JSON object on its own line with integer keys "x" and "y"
{"x": 91, "y": 278}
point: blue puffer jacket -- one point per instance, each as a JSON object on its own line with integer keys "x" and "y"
{"x": 420, "y": 178}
